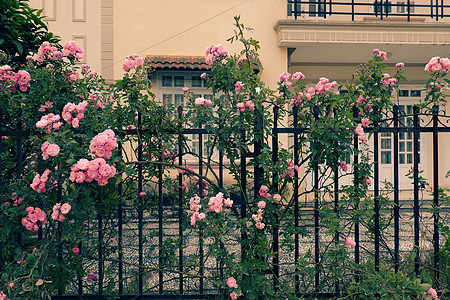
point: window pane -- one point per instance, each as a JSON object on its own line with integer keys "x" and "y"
{"x": 209, "y": 97}
{"x": 384, "y": 134}
{"x": 409, "y": 158}
{"x": 312, "y": 8}
{"x": 385, "y": 157}
{"x": 179, "y": 80}
{"x": 415, "y": 93}
{"x": 410, "y": 135}
{"x": 179, "y": 100}
{"x": 409, "y": 110}
{"x": 403, "y": 93}
{"x": 196, "y": 81}
{"x": 385, "y": 144}
{"x": 167, "y": 81}
{"x": 401, "y": 146}
{"x": 401, "y": 7}
{"x": 167, "y": 99}
{"x": 401, "y": 158}
{"x": 289, "y": 8}
{"x": 409, "y": 147}
{"x": 401, "y": 136}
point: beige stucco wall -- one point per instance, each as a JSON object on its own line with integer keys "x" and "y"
{"x": 79, "y": 20}
{"x": 179, "y": 27}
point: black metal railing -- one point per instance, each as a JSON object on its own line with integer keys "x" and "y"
{"x": 435, "y": 124}
{"x": 435, "y": 9}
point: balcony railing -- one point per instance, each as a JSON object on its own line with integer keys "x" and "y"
{"x": 434, "y": 9}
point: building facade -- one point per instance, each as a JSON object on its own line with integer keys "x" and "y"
{"x": 316, "y": 37}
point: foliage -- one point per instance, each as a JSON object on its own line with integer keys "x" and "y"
{"x": 22, "y": 30}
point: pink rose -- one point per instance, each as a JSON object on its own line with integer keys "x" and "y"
{"x": 185, "y": 89}
{"x": 231, "y": 282}
{"x": 76, "y": 250}
{"x": 65, "y": 208}
{"x": 350, "y": 242}
{"x": 53, "y": 149}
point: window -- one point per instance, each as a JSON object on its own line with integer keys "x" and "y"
{"x": 405, "y": 139}
{"x": 294, "y": 9}
{"x": 402, "y": 7}
{"x": 169, "y": 86}
{"x": 403, "y": 93}
{"x": 316, "y": 8}
{"x": 384, "y": 8}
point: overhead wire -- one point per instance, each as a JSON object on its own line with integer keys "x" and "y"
{"x": 181, "y": 32}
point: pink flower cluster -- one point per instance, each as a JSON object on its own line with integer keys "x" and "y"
{"x": 432, "y": 293}
{"x": 39, "y": 181}
{"x": 216, "y": 203}
{"x": 87, "y": 171}
{"x": 263, "y": 192}
{"x": 47, "y": 51}
{"x": 284, "y": 78}
{"x": 132, "y": 61}
{"x": 238, "y": 86}
{"x": 379, "y": 53}
{"x": 195, "y": 206}
{"x": 349, "y": 241}
{"x": 324, "y": 85}
{"x": 184, "y": 187}
{"x": 249, "y": 104}
{"x": 59, "y": 211}
{"x": 202, "y": 101}
{"x": 72, "y": 48}
{"x": 343, "y": 165}
{"x": 258, "y": 216}
{"x": 50, "y": 121}
{"x": 103, "y": 143}
{"x": 290, "y": 170}
{"x": 17, "y": 200}
{"x": 181, "y": 171}
{"x": 359, "y": 130}
{"x": 215, "y": 52}
{"x": 96, "y": 98}
{"x": 388, "y": 80}
{"x": 20, "y": 79}
{"x": 438, "y": 64}
{"x": 49, "y": 150}
{"x": 74, "y": 76}
{"x": 45, "y": 106}
{"x": 70, "y": 109}
{"x": 35, "y": 218}
{"x": 91, "y": 276}
{"x": 3, "y": 296}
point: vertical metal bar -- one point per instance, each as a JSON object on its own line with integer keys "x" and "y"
{"x": 160, "y": 221}
{"x": 275, "y": 259}
{"x": 336, "y": 214}
{"x": 140, "y": 210}
{"x": 316, "y": 209}
{"x": 296, "y": 195}
{"x": 409, "y": 11}
{"x": 100, "y": 249}
{"x": 376, "y": 196}
{"x": 200, "y": 238}
{"x": 442, "y": 9}
{"x": 120, "y": 223}
{"x": 437, "y": 10}
{"x": 435, "y": 195}
{"x": 431, "y": 8}
{"x": 80, "y": 279}
{"x": 381, "y": 7}
{"x": 243, "y": 180}
{"x": 353, "y": 10}
{"x": 396, "y": 194}
{"x": 356, "y": 176}
{"x": 60, "y": 249}
{"x": 180, "y": 203}
{"x": 416, "y": 188}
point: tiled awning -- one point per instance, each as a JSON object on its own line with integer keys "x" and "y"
{"x": 178, "y": 63}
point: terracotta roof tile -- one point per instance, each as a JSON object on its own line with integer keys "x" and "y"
{"x": 178, "y": 63}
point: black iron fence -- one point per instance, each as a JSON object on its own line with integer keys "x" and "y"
{"x": 144, "y": 234}
{"x": 434, "y": 9}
